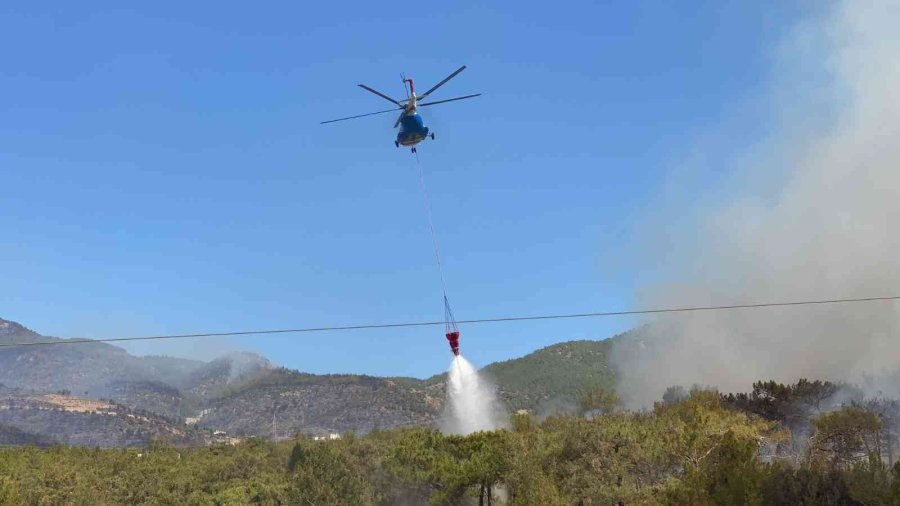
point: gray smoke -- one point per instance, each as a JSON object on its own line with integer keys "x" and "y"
{"x": 826, "y": 227}
{"x": 243, "y": 363}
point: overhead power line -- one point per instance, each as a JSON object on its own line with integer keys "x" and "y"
{"x": 368, "y": 326}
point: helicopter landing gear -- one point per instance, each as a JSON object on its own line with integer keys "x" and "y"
{"x": 397, "y": 143}
{"x": 432, "y": 135}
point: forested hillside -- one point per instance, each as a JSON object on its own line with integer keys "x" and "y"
{"x": 13, "y": 436}
{"x": 554, "y": 376}
{"x": 28, "y": 417}
{"x": 314, "y": 404}
{"x": 701, "y": 449}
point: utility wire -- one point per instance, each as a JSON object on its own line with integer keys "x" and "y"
{"x": 479, "y": 320}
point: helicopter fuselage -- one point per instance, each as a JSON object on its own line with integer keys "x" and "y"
{"x": 412, "y": 131}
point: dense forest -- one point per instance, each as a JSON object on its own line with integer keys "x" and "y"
{"x": 813, "y": 442}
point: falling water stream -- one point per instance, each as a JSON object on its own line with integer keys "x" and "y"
{"x": 471, "y": 401}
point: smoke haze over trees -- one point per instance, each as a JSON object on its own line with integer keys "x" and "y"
{"x": 810, "y": 213}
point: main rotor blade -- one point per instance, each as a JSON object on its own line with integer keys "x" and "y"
{"x": 438, "y": 85}
{"x": 399, "y": 118}
{"x": 449, "y": 100}
{"x": 361, "y": 115}
{"x": 380, "y": 94}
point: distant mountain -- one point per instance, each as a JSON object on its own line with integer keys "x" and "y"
{"x": 81, "y": 367}
{"x": 173, "y": 387}
{"x": 547, "y": 380}
{"x": 241, "y": 392}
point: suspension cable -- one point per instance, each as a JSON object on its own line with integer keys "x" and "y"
{"x": 434, "y": 242}
{"x": 449, "y": 320}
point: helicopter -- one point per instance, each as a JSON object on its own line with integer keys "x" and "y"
{"x": 412, "y": 127}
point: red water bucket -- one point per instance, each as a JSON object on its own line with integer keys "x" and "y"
{"x": 453, "y": 338}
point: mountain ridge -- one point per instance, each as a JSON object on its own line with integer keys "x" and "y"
{"x": 242, "y": 392}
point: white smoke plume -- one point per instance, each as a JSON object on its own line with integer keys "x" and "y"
{"x": 825, "y": 228}
{"x": 472, "y": 404}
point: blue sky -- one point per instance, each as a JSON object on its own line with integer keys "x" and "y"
{"x": 163, "y": 169}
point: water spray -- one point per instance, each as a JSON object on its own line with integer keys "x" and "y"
{"x": 471, "y": 401}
